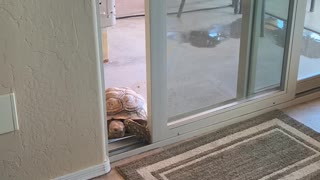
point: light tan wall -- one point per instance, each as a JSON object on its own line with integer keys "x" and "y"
{"x": 47, "y": 57}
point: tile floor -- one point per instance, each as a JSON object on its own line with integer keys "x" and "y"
{"x": 307, "y": 113}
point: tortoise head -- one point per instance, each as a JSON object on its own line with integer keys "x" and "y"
{"x": 116, "y": 129}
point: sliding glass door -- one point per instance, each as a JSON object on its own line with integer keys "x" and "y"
{"x": 212, "y": 61}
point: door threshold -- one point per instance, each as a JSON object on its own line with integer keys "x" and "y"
{"x": 121, "y": 145}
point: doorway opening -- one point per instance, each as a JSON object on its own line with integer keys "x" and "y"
{"x": 124, "y": 56}
{"x": 204, "y": 65}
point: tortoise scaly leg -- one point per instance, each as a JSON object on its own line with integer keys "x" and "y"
{"x": 137, "y": 129}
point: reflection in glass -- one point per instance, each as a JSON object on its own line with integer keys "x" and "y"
{"x": 202, "y": 55}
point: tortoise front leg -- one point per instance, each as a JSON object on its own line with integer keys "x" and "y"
{"x": 142, "y": 132}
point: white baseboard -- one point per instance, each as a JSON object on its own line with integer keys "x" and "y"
{"x": 88, "y": 173}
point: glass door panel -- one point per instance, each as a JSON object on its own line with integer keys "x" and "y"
{"x": 269, "y": 45}
{"x": 309, "y": 67}
{"x": 203, "y": 53}
{"x": 203, "y": 44}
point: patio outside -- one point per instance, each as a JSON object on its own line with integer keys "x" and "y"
{"x": 203, "y": 54}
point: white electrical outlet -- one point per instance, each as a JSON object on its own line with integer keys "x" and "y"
{"x": 8, "y": 118}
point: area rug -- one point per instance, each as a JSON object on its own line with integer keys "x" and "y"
{"x": 270, "y": 146}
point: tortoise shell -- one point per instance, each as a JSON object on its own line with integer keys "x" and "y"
{"x": 124, "y": 103}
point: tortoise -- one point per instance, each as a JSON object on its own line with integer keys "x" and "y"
{"x": 126, "y": 112}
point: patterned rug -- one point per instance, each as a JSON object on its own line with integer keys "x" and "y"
{"x": 270, "y": 146}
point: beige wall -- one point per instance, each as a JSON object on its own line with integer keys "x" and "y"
{"x": 47, "y": 57}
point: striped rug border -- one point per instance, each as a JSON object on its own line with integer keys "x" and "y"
{"x": 129, "y": 171}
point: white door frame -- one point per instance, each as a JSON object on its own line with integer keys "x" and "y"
{"x": 157, "y": 78}
{"x": 101, "y": 89}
